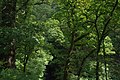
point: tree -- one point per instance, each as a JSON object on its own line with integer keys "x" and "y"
{"x": 59, "y": 39}
{"x": 8, "y": 21}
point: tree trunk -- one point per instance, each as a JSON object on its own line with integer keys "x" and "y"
{"x": 82, "y": 64}
{"x": 8, "y": 15}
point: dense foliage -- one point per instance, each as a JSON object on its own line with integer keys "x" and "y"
{"x": 59, "y": 40}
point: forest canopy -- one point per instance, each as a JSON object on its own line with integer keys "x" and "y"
{"x": 59, "y": 39}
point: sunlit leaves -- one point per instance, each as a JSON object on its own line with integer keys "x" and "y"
{"x": 54, "y": 32}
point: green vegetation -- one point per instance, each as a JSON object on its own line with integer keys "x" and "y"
{"x": 59, "y": 40}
